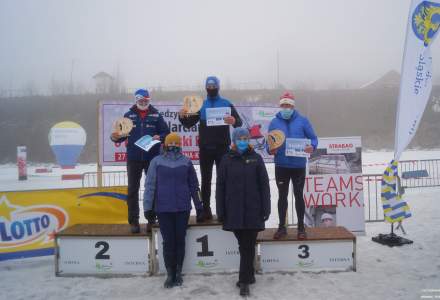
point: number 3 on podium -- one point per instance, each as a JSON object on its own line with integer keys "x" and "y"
{"x": 305, "y": 251}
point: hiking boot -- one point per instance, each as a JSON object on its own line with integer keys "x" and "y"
{"x": 302, "y": 235}
{"x": 169, "y": 281}
{"x": 135, "y": 228}
{"x": 207, "y": 214}
{"x": 178, "y": 280}
{"x": 244, "y": 289}
{"x": 281, "y": 233}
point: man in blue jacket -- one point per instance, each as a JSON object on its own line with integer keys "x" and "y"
{"x": 214, "y": 141}
{"x": 291, "y": 168}
{"x": 146, "y": 121}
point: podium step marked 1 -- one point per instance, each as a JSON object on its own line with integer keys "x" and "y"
{"x": 208, "y": 248}
{"x": 111, "y": 250}
{"x": 102, "y": 250}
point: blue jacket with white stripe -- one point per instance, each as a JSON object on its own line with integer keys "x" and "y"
{"x": 152, "y": 124}
{"x": 171, "y": 183}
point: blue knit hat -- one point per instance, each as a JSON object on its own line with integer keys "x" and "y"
{"x": 238, "y": 133}
{"x": 212, "y": 81}
{"x": 141, "y": 93}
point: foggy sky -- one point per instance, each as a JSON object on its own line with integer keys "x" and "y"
{"x": 173, "y": 43}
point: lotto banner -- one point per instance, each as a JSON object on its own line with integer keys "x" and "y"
{"x": 255, "y": 118}
{"x": 333, "y": 191}
{"x": 30, "y": 219}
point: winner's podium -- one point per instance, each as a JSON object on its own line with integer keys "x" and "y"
{"x": 111, "y": 250}
{"x": 102, "y": 250}
{"x": 208, "y": 249}
{"x": 332, "y": 249}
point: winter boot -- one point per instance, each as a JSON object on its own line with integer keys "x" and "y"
{"x": 207, "y": 212}
{"x": 134, "y": 227}
{"x": 244, "y": 289}
{"x": 252, "y": 281}
{"x": 178, "y": 280}
{"x": 302, "y": 235}
{"x": 281, "y": 233}
{"x": 169, "y": 281}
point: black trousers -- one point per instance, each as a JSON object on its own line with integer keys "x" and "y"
{"x": 134, "y": 173}
{"x": 247, "y": 239}
{"x": 173, "y": 227}
{"x": 283, "y": 176}
{"x": 207, "y": 157}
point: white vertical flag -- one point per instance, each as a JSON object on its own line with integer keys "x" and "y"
{"x": 415, "y": 83}
{"x": 415, "y": 89}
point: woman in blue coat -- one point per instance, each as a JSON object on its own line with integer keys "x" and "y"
{"x": 243, "y": 200}
{"x": 171, "y": 183}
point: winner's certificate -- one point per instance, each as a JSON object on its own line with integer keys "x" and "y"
{"x": 146, "y": 142}
{"x": 215, "y": 116}
{"x": 295, "y": 147}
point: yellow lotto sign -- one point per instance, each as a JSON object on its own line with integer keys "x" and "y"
{"x": 30, "y": 219}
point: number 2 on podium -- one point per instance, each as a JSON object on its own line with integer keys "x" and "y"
{"x": 101, "y": 253}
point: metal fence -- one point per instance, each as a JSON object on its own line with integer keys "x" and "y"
{"x": 432, "y": 166}
{"x": 371, "y": 183}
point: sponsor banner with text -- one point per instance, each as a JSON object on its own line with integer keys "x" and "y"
{"x": 333, "y": 190}
{"x": 255, "y": 118}
{"x": 29, "y": 220}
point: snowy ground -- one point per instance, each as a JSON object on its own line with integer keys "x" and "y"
{"x": 408, "y": 272}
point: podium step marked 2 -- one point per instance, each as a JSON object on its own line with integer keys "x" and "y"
{"x": 102, "y": 250}
{"x": 111, "y": 250}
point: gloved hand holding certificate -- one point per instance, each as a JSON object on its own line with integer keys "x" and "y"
{"x": 146, "y": 142}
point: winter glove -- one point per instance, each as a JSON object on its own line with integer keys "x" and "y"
{"x": 265, "y": 218}
{"x": 200, "y": 215}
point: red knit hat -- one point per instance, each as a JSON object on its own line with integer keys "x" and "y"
{"x": 287, "y": 98}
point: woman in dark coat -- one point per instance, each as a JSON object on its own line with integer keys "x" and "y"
{"x": 243, "y": 201}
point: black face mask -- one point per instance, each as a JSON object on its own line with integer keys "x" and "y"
{"x": 212, "y": 92}
{"x": 174, "y": 149}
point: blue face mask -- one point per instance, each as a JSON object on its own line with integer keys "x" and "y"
{"x": 286, "y": 113}
{"x": 242, "y": 145}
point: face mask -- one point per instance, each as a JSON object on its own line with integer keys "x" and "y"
{"x": 286, "y": 113}
{"x": 173, "y": 149}
{"x": 212, "y": 92}
{"x": 242, "y": 145}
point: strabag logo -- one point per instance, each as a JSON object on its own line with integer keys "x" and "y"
{"x": 25, "y": 225}
{"x": 426, "y": 21}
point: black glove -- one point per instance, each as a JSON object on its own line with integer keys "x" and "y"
{"x": 200, "y": 215}
{"x": 265, "y": 218}
{"x": 150, "y": 216}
